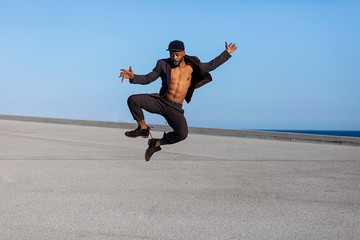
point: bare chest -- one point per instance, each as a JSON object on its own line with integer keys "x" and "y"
{"x": 181, "y": 75}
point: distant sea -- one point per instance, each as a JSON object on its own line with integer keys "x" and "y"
{"x": 320, "y": 132}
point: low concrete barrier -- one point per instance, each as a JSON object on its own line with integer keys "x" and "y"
{"x": 198, "y": 130}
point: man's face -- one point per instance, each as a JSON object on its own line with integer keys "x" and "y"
{"x": 177, "y": 57}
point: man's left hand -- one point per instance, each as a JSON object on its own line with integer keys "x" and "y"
{"x": 231, "y": 47}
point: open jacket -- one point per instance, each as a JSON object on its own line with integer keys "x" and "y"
{"x": 200, "y": 75}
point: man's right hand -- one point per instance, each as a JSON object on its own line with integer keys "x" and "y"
{"x": 126, "y": 74}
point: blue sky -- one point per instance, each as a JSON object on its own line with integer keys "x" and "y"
{"x": 296, "y": 66}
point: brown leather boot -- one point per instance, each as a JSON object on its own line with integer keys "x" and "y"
{"x": 152, "y": 148}
{"x": 138, "y": 132}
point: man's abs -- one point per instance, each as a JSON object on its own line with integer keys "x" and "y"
{"x": 179, "y": 83}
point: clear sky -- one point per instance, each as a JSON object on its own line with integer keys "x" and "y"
{"x": 296, "y": 66}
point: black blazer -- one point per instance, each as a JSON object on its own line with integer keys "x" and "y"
{"x": 200, "y": 75}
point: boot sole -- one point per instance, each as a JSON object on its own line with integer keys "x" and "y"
{"x": 137, "y": 136}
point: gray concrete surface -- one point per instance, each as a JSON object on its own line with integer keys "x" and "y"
{"x": 78, "y": 182}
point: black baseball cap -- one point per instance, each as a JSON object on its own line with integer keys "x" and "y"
{"x": 176, "y": 45}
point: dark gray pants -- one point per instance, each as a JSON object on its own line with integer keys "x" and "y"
{"x": 172, "y": 112}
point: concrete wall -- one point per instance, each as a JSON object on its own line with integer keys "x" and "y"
{"x": 197, "y": 130}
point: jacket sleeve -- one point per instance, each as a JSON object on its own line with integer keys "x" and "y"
{"x": 148, "y": 78}
{"x": 213, "y": 64}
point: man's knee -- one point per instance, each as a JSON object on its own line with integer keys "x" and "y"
{"x": 182, "y": 135}
{"x": 174, "y": 137}
{"x": 132, "y": 100}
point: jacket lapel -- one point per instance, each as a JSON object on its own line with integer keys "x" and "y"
{"x": 168, "y": 73}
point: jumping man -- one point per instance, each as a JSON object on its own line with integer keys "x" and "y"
{"x": 181, "y": 75}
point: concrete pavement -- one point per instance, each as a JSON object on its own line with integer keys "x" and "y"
{"x": 79, "y": 182}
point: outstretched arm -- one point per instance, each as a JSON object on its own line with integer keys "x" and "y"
{"x": 223, "y": 57}
{"x": 141, "y": 79}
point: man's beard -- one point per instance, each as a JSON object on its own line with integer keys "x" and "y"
{"x": 176, "y": 63}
